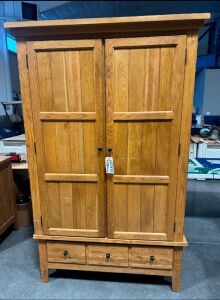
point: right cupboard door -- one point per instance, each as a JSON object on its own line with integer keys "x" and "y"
{"x": 144, "y": 81}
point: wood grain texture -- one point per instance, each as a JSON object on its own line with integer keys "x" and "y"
{"x": 152, "y": 258}
{"x": 66, "y": 253}
{"x": 109, "y": 269}
{"x": 177, "y": 94}
{"x": 177, "y": 268}
{"x": 74, "y": 232}
{"x": 68, "y": 45}
{"x": 187, "y": 108}
{"x": 71, "y": 177}
{"x": 183, "y": 243}
{"x": 43, "y": 261}
{"x": 53, "y": 215}
{"x": 123, "y": 25}
{"x": 144, "y": 98}
{"x": 172, "y": 17}
{"x": 141, "y": 179}
{"x": 107, "y": 255}
{"x": 136, "y": 235}
{"x": 7, "y": 195}
{"x": 29, "y": 134}
{"x": 141, "y": 109}
{"x": 66, "y": 139}
{"x": 68, "y": 116}
{"x": 143, "y": 116}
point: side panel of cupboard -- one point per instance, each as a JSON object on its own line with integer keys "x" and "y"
{"x": 144, "y": 81}
{"x": 66, "y": 85}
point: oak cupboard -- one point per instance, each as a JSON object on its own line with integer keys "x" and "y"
{"x": 119, "y": 87}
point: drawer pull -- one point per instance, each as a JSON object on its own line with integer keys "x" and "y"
{"x": 152, "y": 258}
{"x": 65, "y": 253}
{"x": 108, "y": 255}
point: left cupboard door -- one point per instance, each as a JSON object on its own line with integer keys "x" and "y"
{"x": 66, "y": 83}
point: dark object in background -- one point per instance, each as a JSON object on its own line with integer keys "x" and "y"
{"x": 29, "y": 11}
{"x": 212, "y": 120}
{"x": 217, "y": 123}
{"x": 23, "y": 201}
{"x": 6, "y": 133}
{"x": 194, "y": 121}
{"x": 22, "y": 198}
{"x": 24, "y": 214}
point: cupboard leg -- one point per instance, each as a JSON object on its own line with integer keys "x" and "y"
{"x": 43, "y": 261}
{"x": 177, "y": 268}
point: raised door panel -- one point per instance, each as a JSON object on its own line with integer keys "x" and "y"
{"x": 144, "y": 81}
{"x": 67, "y": 99}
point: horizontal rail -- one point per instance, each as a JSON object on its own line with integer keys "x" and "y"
{"x": 141, "y": 179}
{"x": 143, "y": 116}
{"x": 71, "y": 177}
{"x": 67, "y": 116}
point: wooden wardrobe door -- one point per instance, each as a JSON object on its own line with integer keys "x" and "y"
{"x": 67, "y": 103}
{"x": 144, "y": 81}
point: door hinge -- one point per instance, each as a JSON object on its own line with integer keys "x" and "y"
{"x": 27, "y": 61}
{"x": 35, "y": 148}
{"x": 179, "y": 149}
{"x": 186, "y": 57}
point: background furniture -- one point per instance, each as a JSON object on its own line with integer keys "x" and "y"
{"x": 7, "y": 195}
{"x": 13, "y": 144}
{"x": 120, "y": 87}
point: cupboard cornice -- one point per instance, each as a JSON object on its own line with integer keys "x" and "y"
{"x": 107, "y": 25}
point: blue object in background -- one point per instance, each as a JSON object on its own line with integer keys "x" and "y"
{"x": 11, "y": 43}
{"x": 6, "y": 133}
{"x": 211, "y": 163}
{"x": 212, "y": 120}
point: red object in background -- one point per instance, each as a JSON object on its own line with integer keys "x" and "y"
{"x": 15, "y": 157}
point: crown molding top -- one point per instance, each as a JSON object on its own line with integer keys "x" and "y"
{"x": 107, "y": 25}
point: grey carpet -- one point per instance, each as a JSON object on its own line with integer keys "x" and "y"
{"x": 203, "y": 198}
{"x": 19, "y": 271}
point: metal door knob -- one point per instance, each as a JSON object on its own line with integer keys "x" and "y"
{"x": 99, "y": 148}
{"x": 152, "y": 258}
{"x": 109, "y": 149}
{"x": 65, "y": 253}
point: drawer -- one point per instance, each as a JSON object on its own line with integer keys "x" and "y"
{"x": 66, "y": 253}
{"x": 108, "y": 255}
{"x": 151, "y": 257}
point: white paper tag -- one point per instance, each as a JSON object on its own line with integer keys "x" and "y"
{"x": 109, "y": 165}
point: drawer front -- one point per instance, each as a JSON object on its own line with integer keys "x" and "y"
{"x": 66, "y": 253}
{"x": 107, "y": 255}
{"x": 151, "y": 257}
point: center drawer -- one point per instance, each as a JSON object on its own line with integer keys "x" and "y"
{"x": 66, "y": 252}
{"x": 107, "y": 255}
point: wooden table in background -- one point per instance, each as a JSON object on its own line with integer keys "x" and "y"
{"x": 7, "y": 195}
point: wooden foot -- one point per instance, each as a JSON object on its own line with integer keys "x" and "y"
{"x": 177, "y": 268}
{"x": 43, "y": 261}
